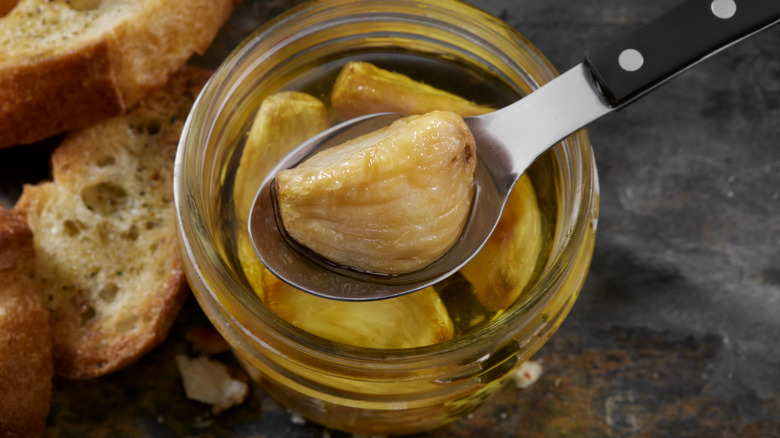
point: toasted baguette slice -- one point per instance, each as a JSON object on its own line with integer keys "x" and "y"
{"x": 105, "y": 234}
{"x": 65, "y": 64}
{"x": 25, "y": 337}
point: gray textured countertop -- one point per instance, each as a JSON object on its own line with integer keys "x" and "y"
{"x": 676, "y": 331}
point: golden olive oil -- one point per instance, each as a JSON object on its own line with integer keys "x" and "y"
{"x": 466, "y": 306}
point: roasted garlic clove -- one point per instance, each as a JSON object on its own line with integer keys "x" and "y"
{"x": 408, "y": 321}
{"x": 503, "y": 267}
{"x": 283, "y": 121}
{"x": 362, "y": 88}
{"x": 253, "y": 267}
{"x": 391, "y": 201}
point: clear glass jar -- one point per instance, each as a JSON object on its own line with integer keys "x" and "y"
{"x": 368, "y": 390}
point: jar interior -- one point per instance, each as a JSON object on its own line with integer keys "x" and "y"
{"x": 450, "y": 46}
{"x": 310, "y": 63}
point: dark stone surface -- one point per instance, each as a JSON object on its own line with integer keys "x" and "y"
{"x": 676, "y": 330}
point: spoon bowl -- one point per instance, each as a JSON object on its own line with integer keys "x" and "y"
{"x": 504, "y": 152}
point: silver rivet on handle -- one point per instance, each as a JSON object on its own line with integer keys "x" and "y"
{"x": 630, "y": 60}
{"x": 723, "y": 9}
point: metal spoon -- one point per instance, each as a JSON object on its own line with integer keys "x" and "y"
{"x": 510, "y": 139}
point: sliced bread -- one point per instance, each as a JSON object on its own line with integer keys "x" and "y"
{"x": 25, "y": 337}
{"x": 65, "y": 64}
{"x": 107, "y": 261}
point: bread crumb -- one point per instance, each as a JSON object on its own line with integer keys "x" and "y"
{"x": 202, "y": 422}
{"x": 527, "y": 374}
{"x": 296, "y": 418}
{"x": 210, "y": 382}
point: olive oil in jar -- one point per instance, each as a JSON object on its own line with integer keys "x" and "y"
{"x": 496, "y": 279}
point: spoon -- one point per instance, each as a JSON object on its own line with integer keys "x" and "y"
{"x": 510, "y": 139}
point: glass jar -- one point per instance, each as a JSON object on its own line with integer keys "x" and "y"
{"x": 356, "y": 389}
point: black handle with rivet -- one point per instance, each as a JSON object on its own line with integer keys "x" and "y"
{"x": 696, "y": 29}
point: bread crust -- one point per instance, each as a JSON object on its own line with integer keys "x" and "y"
{"x": 25, "y": 338}
{"x": 59, "y": 93}
{"x": 109, "y": 268}
{"x": 99, "y": 73}
{"x": 6, "y": 6}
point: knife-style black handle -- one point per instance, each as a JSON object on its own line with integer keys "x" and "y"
{"x": 631, "y": 66}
